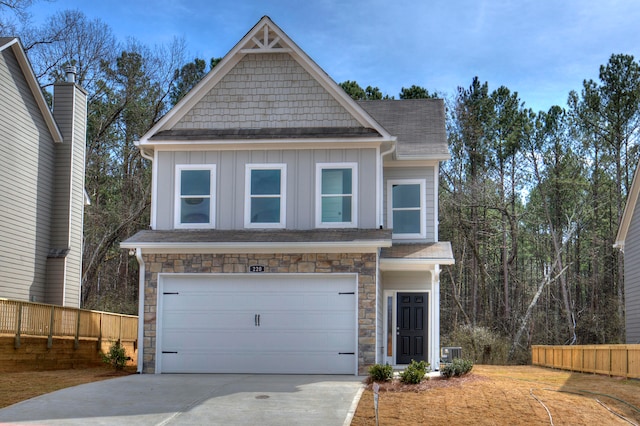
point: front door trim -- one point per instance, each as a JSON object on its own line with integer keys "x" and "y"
{"x": 391, "y": 360}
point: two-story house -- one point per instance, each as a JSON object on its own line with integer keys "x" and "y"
{"x": 293, "y": 229}
{"x": 42, "y": 198}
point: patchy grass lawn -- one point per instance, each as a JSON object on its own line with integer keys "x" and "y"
{"x": 506, "y": 395}
{"x": 19, "y": 386}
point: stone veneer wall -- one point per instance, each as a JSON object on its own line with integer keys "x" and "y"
{"x": 364, "y": 264}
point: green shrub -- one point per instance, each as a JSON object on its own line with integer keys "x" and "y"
{"x": 414, "y": 373}
{"x": 380, "y": 373}
{"x": 117, "y": 356}
{"x": 459, "y": 367}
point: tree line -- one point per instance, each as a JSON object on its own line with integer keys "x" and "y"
{"x": 531, "y": 200}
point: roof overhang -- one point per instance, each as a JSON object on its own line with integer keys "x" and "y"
{"x": 257, "y": 247}
{"x": 416, "y": 256}
{"x": 34, "y": 86}
{"x": 247, "y": 241}
{"x": 291, "y": 143}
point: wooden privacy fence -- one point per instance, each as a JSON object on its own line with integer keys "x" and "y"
{"x": 612, "y": 360}
{"x": 37, "y": 319}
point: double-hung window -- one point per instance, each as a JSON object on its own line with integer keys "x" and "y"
{"x": 265, "y": 187}
{"x": 406, "y": 213}
{"x": 336, "y": 185}
{"x": 195, "y": 196}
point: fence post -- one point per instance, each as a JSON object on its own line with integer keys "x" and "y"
{"x": 76, "y": 344}
{"x": 16, "y": 343}
{"x": 51, "y": 323}
{"x": 100, "y": 333}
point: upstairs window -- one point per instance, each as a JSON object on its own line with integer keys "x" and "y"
{"x": 406, "y": 214}
{"x": 194, "y": 197}
{"x": 336, "y": 196}
{"x": 265, "y": 196}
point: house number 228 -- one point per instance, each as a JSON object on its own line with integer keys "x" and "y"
{"x": 256, "y": 268}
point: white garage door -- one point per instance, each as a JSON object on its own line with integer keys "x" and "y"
{"x": 262, "y": 323}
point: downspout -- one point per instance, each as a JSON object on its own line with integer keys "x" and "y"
{"x": 151, "y": 158}
{"x": 381, "y": 184}
{"x": 140, "y": 309}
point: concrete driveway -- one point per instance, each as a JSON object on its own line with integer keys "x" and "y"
{"x": 196, "y": 399}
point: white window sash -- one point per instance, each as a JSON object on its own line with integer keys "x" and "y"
{"x": 353, "y": 223}
{"x": 178, "y": 197}
{"x": 422, "y": 208}
{"x": 248, "y": 196}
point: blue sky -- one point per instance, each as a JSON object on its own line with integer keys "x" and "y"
{"x": 541, "y": 49}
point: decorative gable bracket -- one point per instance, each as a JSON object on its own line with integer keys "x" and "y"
{"x": 265, "y": 41}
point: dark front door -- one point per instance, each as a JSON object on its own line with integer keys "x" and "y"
{"x": 411, "y": 339}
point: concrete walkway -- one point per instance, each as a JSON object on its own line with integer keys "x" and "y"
{"x": 196, "y": 399}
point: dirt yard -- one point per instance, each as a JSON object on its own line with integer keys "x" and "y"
{"x": 489, "y": 395}
{"x": 18, "y": 386}
{"x": 496, "y": 395}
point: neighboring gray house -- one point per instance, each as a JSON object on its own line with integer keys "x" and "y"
{"x": 42, "y": 194}
{"x": 628, "y": 241}
{"x": 293, "y": 229}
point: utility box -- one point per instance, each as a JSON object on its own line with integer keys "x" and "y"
{"x": 449, "y": 353}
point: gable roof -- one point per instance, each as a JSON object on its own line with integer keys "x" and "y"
{"x": 264, "y": 37}
{"x": 629, "y": 209}
{"x": 13, "y": 44}
{"x": 419, "y": 125}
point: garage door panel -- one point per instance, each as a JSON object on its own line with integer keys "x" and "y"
{"x": 208, "y": 320}
{"x": 270, "y": 363}
{"x": 258, "y": 324}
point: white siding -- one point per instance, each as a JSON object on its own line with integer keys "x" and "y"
{"x": 26, "y": 176}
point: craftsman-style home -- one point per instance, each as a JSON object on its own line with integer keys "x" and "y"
{"x": 293, "y": 229}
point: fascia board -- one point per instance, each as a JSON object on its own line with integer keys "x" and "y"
{"x": 411, "y": 163}
{"x": 430, "y": 157}
{"x": 261, "y": 247}
{"x": 413, "y": 264}
{"x": 244, "y": 144}
{"x": 629, "y": 209}
{"x": 35, "y": 88}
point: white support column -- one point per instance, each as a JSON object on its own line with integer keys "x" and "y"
{"x": 435, "y": 308}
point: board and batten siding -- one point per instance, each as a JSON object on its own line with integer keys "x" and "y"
{"x": 300, "y": 190}
{"x": 27, "y": 152}
{"x": 632, "y": 279}
{"x": 427, "y": 173}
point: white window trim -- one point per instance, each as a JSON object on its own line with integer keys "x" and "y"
{"x": 212, "y": 196}
{"x": 423, "y": 207}
{"x": 354, "y": 195}
{"x": 247, "y": 195}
